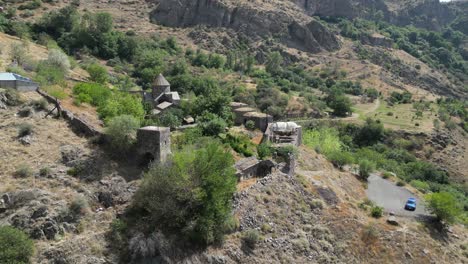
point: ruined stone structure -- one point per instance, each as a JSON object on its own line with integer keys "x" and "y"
{"x": 161, "y": 97}
{"x": 243, "y": 113}
{"x": 284, "y": 133}
{"x": 252, "y": 167}
{"x": 153, "y": 143}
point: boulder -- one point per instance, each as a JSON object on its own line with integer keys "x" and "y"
{"x": 105, "y": 198}
{"x": 70, "y": 154}
{"x": 392, "y": 220}
{"x": 40, "y": 212}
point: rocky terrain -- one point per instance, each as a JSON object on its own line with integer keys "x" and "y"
{"x": 72, "y": 190}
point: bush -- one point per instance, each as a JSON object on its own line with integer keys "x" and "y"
{"x": 365, "y": 168}
{"x": 97, "y": 73}
{"x": 400, "y": 183}
{"x": 251, "y": 237}
{"x": 239, "y": 143}
{"x": 23, "y": 171}
{"x": 45, "y": 171}
{"x": 376, "y": 211}
{"x": 191, "y": 194}
{"x": 40, "y": 104}
{"x": 444, "y": 206}
{"x": 15, "y": 246}
{"x": 25, "y": 129}
{"x": 79, "y": 206}
{"x": 263, "y": 150}
{"x": 386, "y": 175}
{"x": 25, "y": 111}
{"x": 121, "y": 103}
{"x": 59, "y": 59}
{"x": 91, "y": 93}
{"x": 420, "y": 185}
{"x": 211, "y": 124}
{"x": 122, "y": 133}
{"x": 250, "y": 125}
{"x": 13, "y": 97}
{"x": 340, "y": 158}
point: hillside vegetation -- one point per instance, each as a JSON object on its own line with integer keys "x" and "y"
{"x": 380, "y": 89}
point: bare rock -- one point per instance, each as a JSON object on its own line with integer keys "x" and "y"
{"x": 392, "y": 220}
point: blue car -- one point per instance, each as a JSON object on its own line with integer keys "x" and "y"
{"x": 410, "y": 204}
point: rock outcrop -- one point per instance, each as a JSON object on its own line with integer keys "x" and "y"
{"x": 429, "y": 14}
{"x": 283, "y": 21}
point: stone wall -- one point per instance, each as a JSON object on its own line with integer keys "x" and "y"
{"x": 252, "y": 167}
{"x": 77, "y": 124}
{"x": 154, "y": 143}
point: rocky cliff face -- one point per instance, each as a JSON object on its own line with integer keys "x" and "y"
{"x": 256, "y": 20}
{"x": 430, "y": 14}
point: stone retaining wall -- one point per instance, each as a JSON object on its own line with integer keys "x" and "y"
{"x": 77, "y": 124}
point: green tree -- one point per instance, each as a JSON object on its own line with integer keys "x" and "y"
{"x": 211, "y": 124}
{"x": 121, "y": 132}
{"x": 97, "y": 73}
{"x": 15, "y": 246}
{"x": 444, "y": 206}
{"x": 369, "y": 134}
{"x": 340, "y": 158}
{"x": 190, "y": 195}
{"x": 121, "y": 103}
{"x": 273, "y": 63}
{"x": 365, "y": 168}
{"x": 341, "y": 105}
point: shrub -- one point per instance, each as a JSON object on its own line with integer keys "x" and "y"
{"x": 250, "y": 125}
{"x": 370, "y": 234}
{"x": 239, "y": 143}
{"x": 376, "y": 211}
{"x": 263, "y": 150}
{"x": 400, "y": 183}
{"x": 15, "y": 246}
{"x": 25, "y": 111}
{"x": 251, "y": 237}
{"x": 365, "y": 168}
{"x": 420, "y": 185}
{"x": 59, "y": 59}
{"x": 122, "y": 133}
{"x": 191, "y": 194}
{"x": 13, "y": 97}
{"x": 97, "y": 73}
{"x": 285, "y": 151}
{"x": 211, "y": 124}
{"x": 79, "y": 206}
{"x": 121, "y": 103}
{"x": 40, "y": 104}
{"x": 25, "y": 129}
{"x": 444, "y": 206}
{"x": 91, "y": 93}
{"x": 340, "y": 158}
{"x": 23, "y": 171}
{"x": 44, "y": 172}
{"x": 386, "y": 175}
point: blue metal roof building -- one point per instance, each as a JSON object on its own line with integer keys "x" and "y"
{"x": 16, "y": 81}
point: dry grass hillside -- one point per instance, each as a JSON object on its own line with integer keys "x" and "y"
{"x": 315, "y": 217}
{"x": 67, "y": 210}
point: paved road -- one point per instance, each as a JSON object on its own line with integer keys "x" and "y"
{"x": 393, "y": 198}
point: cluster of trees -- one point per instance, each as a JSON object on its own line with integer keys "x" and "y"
{"x": 190, "y": 195}
{"x": 109, "y": 104}
{"x": 437, "y": 49}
